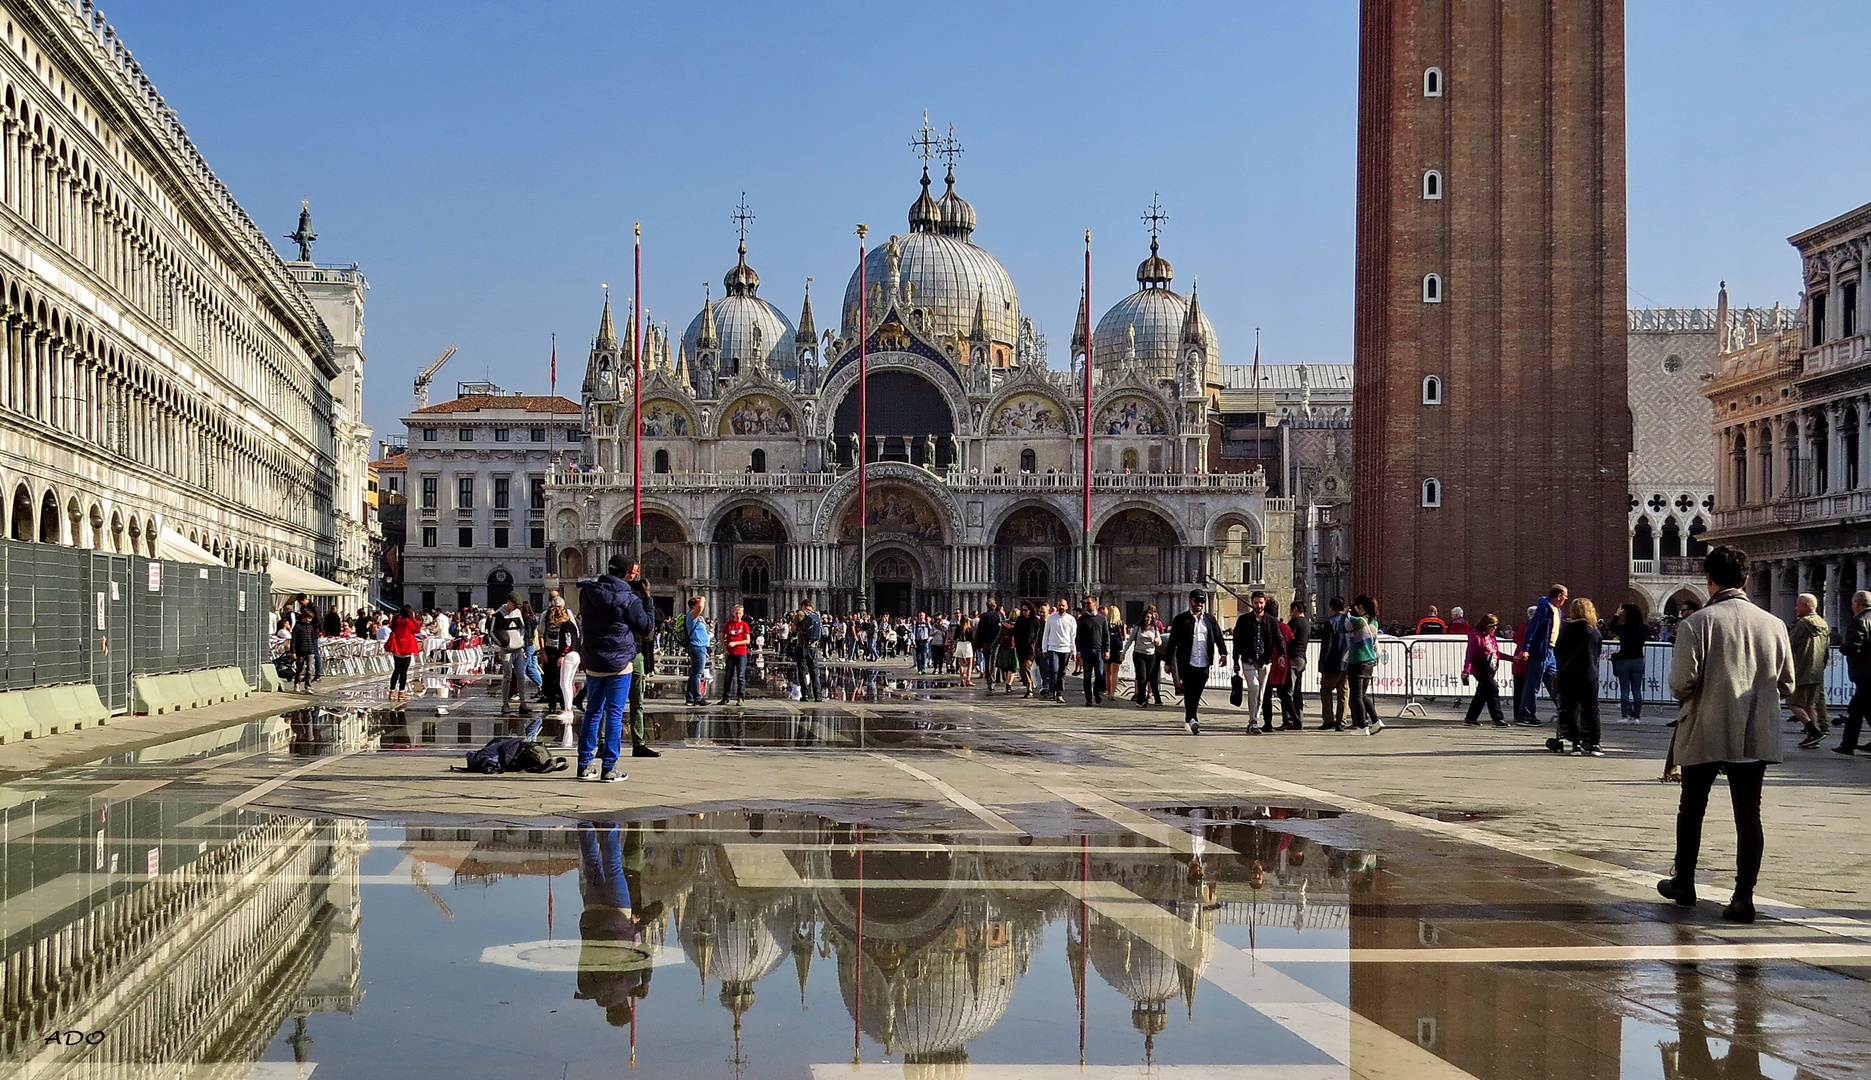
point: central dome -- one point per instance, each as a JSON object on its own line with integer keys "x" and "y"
{"x": 1154, "y": 316}
{"x": 745, "y": 326}
{"x": 940, "y": 269}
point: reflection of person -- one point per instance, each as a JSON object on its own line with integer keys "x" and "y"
{"x": 610, "y": 874}
{"x": 1732, "y": 666}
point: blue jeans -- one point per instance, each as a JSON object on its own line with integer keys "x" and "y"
{"x": 698, "y": 666}
{"x": 733, "y": 673}
{"x": 607, "y": 698}
{"x": 1091, "y": 665}
{"x": 532, "y": 667}
{"x": 1052, "y": 669}
{"x": 601, "y": 864}
{"x": 1525, "y": 706}
{"x": 922, "y": 656}
{"x": 1630, "y": 675}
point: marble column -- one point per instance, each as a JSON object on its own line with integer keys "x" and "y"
{"x": 1829, "y": 604}
{"x": 1767, "y": 588}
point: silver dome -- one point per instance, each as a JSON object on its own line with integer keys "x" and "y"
{"x": 947, "y": 275}
{"x": 736, "y": 318}
{"x": 1158, "y": 315}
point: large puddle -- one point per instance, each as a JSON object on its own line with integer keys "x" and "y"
{"x": 149, "y": 936}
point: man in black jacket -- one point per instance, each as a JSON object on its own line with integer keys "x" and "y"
{"x": 1094, "y": 632}
{"x": 1334, "y": 677}
{"x": 1256, "y": 642}
{"x": 1026, "y": 630}
{"x": 811, "y": 629}
{"x": 1196, "y": 647}
{"x": 987, "y": 642}
{"x": 1292, "y": 700}
{"x": 1857, "y": 649}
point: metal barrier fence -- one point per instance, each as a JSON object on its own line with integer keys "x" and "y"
{"x": 72, "y": 615}
{"x": 1430, "y": 667}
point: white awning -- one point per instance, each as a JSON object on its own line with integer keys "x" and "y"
{"x": 289, "y": 579}
{"x": 173, "y": 545}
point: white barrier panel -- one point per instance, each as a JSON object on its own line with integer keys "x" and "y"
{"x": 1436, "y": 666}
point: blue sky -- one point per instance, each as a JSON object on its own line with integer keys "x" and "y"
{"x": 484, "y": 161}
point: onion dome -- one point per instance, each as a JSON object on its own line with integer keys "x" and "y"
{"x": 925, "y": 215}
{"x": 1155, "y": 270}
{"x": 958, "y": 217}
{"x": 742, "y": 281}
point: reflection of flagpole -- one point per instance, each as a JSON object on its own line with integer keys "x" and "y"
{"x": 1084, "y": 898}
{"x": 857, "y": 993}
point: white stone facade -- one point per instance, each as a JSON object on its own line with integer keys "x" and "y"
{"x": 337, "y": 294}
{"x": 159, "y": 367}
{"x": 976, "y": 484}
{"x": 476, "y": 471}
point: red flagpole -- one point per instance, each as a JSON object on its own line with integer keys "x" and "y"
{"x": 555, "y": 365}
{"x": 636, "y": 399}
{"x": 1087, "y": 374}
{"x": 864, "y": 426}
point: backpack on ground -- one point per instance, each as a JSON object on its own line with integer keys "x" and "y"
{"x": 510, "y": 753}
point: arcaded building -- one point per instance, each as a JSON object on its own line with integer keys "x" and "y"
{"x": 750, "y": 427}
{"x": 163, "y": 372}
{"x": 1490, "y": 409}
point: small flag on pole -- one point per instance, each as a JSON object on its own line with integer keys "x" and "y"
{"x": 555, "y": 365}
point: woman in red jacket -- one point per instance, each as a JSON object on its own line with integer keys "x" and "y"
{"x": 405, "y": 642}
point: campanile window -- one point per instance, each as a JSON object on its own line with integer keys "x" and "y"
{"x": 1432, "y": 185}
{"x": 1432, "y": 390}
{"x": 1432, "y": 492}
{"x": 1432, "y": 288}
{"x": 1432, "y": 82}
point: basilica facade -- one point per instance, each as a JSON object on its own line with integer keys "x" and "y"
{"x": 975, "y": 457}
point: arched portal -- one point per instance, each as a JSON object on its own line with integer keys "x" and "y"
{"x": 1032, "y": 551}
{"x": 909, "y": 421}
{"x": 903, "y": 515}
{"x": 499, "y": 585}
{"x": 48, "y": 519}
{"x": 1138, "y": 557}
{"x": 894, "y": 583}
{"x": 749, "y": 537}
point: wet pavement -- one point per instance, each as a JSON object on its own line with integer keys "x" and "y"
{"x": 257, "y": 901}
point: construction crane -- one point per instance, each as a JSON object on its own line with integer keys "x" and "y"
{"x": 428, "y": 376}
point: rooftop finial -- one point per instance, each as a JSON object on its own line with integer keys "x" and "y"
{"x": 303, "y": 235}
{"x": 1155, "y": 217}
{"x": 949, "y": 148}
{"x": 925, "y": 142}
{"x": 741, "y": 217}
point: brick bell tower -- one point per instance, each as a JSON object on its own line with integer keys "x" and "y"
{"x": 1490, "y": 407}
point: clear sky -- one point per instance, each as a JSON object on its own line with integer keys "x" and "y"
{"x": 483, "y": 162}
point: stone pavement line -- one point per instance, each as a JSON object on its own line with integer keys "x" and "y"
{"x": 761, "y": 866}
{"x": 268, "y": 787}
{"x": 1645, "y": 883}
{"x": 949, "y": 792}
{"x": 1136, "y": 821}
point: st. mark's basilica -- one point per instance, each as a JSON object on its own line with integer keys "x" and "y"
{"x": 750, "y": 432}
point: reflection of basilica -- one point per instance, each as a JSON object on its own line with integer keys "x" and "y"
{"x": 750, "y": 431}
{"x": 189, "y": 956}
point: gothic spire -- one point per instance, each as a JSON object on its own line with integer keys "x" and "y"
{"x": 808, "y": 331}
{"x": 607, "y": 331}
{"x": 1078, "y": 331}
{"x": 1192, "y": 333}
{"x": 706, "y": 336}
{"x": 978, "y": 332}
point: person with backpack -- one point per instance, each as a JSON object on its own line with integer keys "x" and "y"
{"x": 1334, "y": 665}
{"x": 614, "y": 617}
{"x": 811, "y": 632}
{"x": 509, "y": 638}
{"x": 1361, "y": 632}
{"x": 641, "y": 669}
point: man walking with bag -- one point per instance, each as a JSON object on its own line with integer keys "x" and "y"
{"x": 1857, "y": 650}
{"x": 1257, "y": 640}
{"x": 1733, "y": 664}
{"x": 1195, "y": 648}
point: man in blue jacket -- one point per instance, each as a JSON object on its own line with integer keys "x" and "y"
{"x": 1542, "y": 666}
{"x": 613, "y": 616}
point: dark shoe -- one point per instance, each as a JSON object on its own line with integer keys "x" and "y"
{"x": 1531, "y": 723}
{"x": 1471, "y": 723}
{"x": 1671, "y": 889}
{"x": 1740, "y": 909}
{"x": 1594, "y": 751}
{"x": 1846, "y": 750}
{"x": 641, "y": 750}
{"x": 1812, "y": 740}
{"x": 612, "y": 776}
{"x": 1502, "y": 723}
{"x": 1557, "y": 746}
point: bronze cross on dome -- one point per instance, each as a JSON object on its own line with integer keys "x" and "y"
{"x": 742, "y": 216}
{"x": 925, "y": 143}
{"x": 1156, "y": 217}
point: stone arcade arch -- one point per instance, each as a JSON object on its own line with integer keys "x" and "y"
{"x": 747, "y": 534}
{"x": 1033, "y": 552}
{"x": 1140, "y": 559}
{"x": 903, "y": 518}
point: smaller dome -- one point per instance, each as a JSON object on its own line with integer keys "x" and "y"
{"x": 925, "y": 215}
{"x": 742, "y": 280}
{"x": 958, "y": 217}
{"x": 1155, "y": 270}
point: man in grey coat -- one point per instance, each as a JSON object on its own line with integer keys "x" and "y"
{"x": 1733, "y": 665}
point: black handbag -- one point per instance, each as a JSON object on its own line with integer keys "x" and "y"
{"x": 1239, "y": 688}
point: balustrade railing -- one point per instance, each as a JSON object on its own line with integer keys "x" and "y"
{"x": 735, "y": 481}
